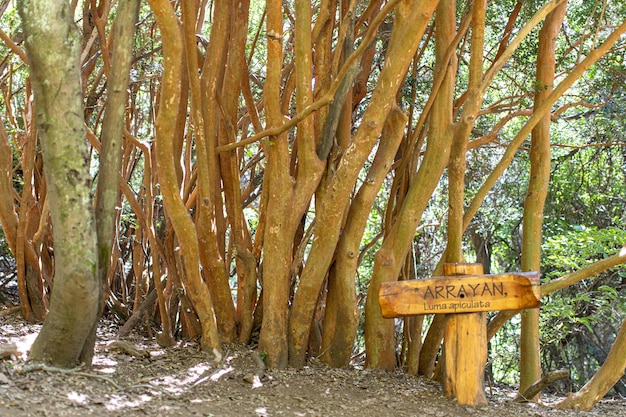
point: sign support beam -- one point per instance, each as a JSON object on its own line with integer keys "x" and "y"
{"x": 465, "y": 348}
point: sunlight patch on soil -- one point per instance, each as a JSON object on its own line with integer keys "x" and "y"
{"x": 175, "y": 384}
{"x": 217, "y": 375}
{"x": 117, "y": 402}
{"x": 104, "y": 365}
{"x": 22, "y": 340}
{"x": 75, "y": 397}
{"x": 261, "y": 412}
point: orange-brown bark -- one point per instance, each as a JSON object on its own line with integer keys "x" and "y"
{"x": 530, "y": 365}
{"x": 280, "y": 226}
{"x": 175, "y": 209}
{"x": 390, "y": 258}
{"x": 341, "y": 318}
{"x": 378, "y": 353}
{"x": 228, "y": 101}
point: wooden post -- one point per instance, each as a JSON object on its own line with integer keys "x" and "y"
{"x": 465, "y": 348}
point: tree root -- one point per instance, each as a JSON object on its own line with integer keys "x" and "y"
{"x": 532, "y": 391}
{"x": 10, "y": 310}
{"x": 51, "y": 369}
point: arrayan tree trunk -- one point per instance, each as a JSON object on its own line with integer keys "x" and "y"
{"x": 457, "y": 353}
{"x": 245, "y": 262}
{"x": 471, "y": 101}
{"x": 341, "y": 318}
{"x": 53, "y": 45}
{"x": 530, "y": 365}
{"x": 209, "y": 203}
{"x": 438, "y": 147}
{"x": 175, "y": 208}
{"x": 13, "y": 219}
{"x": 379, "y": 336}
{"x": 288, "y": 192}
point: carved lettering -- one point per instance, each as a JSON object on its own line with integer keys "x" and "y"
{"x": 499, "y": 288}
{"x": 439, "y": 291}
{"x": 446, "y": 292}
{"x": 470, "y": 304}
{"x": 435, "y": 307}
{"x": 450, "y": 291}
{"x": 483, "y": 305}
{"x": 487, "y": 290}
{"x": 474, "y": 288}
{"x": 428, "y": 293}
{"x": 462, "y": 292}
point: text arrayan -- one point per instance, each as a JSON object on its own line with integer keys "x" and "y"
{"x": 464, "y": 291}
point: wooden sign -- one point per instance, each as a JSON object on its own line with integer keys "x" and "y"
{"x": 464, "y": 294}
{"x": 460, "y": 294}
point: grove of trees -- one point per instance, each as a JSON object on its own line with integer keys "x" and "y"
{"x": 251, "y": 171}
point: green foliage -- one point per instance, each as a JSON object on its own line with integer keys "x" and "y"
{"x": 503, "y": 363}
{"x": 578, "y": 324}
{"x": 578, "y": 247}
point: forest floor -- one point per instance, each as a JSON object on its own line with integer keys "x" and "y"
{"x": 135, "y": 377}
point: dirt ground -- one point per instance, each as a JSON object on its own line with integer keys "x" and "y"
{"x": 135, "y": 377}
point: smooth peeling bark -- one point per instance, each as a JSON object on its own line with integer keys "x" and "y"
{"x": 341, "y": 315}
{"x": 467, "y": 120}
{"x": 379, "y": 332}
{"x": 430, "y": 347}
{"x": 245, "y": 263}
{"x": 456, "y": 351}
{"x": 408, "y": 31}
{"x": 288, "y": 197}
{"x": 308, "y": 161}
{"x": 29, "y": 283}
{"x": 175, "y": 208}
{"x": 341, "y": 318}
{"x": 456, "y": 167}
{"x": 283, "y": 216}
{"x": 53, "y": 47}
{"x": 205, "y": 118}
{"x": 8, "y": 213}
{"x": 322, "y": 38}
{"x": 530, "y": 361}
{"x": 276, "y": 279}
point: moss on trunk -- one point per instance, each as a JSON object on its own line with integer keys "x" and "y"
{"x": 53, "y": 46}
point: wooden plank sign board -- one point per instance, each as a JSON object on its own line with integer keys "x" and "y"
{"x": 460, "y": 294}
